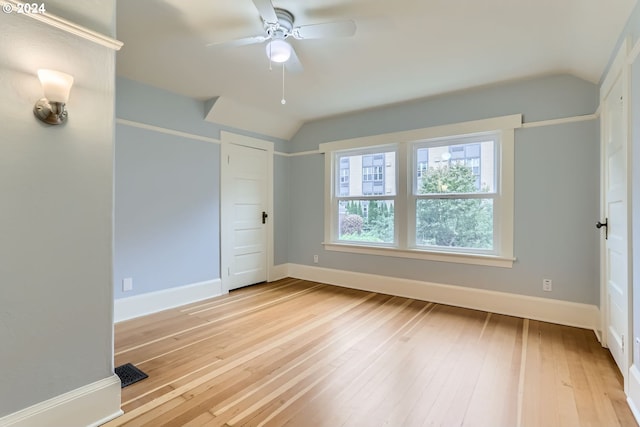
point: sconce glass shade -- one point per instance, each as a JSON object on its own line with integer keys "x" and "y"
{"x": 56, "y": 87}
{"x": 278, "y": 50}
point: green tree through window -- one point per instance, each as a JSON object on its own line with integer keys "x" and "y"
{"x": 450, "y": 221}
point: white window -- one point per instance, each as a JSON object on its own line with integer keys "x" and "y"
{"x": 443, "y": 193}
{"x": 453, "y": 199}
{"x": 364, "y": 212}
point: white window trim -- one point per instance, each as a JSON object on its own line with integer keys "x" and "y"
{"x": 495, "y": 196}
{"x": 505, "y": 125}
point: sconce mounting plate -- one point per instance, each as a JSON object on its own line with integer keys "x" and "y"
{"x": 52, "y": 113}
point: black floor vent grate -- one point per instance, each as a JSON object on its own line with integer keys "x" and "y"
{"x": 129, "y": 374}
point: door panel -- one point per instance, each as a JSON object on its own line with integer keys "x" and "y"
{"x": 247, "y": 180}
{"x": 615, "y": 211}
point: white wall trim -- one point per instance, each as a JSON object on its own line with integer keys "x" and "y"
{"x": 67, "y": 26}
{"x": 167, "y": 131}
{"x": 90, "y": 405}
{"x": 548, "y": 310}
{"x": 561, "y": 121}
{"x": 300, "y": 153}
{"x": 633, "y": 397}
{"x": 278, "y": 272}
{"x": 152, "y": 302}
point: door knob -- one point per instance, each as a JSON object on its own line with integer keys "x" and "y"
{"x": 599, "y": 225}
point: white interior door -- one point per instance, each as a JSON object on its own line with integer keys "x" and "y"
{"x": 615, "y": 215}
{"x": 245, "y": 178}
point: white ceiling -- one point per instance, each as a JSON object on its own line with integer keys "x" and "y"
{"x": 413, "y": 49}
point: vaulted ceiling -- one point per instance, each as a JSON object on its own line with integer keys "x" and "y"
{"x": 402, "y": 50}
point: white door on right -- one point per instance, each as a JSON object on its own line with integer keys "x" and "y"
{"x": 614, "y": 225}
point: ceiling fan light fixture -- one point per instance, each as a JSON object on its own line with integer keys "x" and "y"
{"x": 278, "y": 50}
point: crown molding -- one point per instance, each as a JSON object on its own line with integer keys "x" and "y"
{"x": 67, "y": 26}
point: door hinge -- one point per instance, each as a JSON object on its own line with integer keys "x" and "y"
{"x": 622, "y": 339}
{"x": 229, "y": 159}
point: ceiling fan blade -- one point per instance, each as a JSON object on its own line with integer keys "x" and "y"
{"x": 330, "y": 29}
{"x": 240, "y": 42}
{"x": 266, "y": 10}
{"x": 293, "y": 64}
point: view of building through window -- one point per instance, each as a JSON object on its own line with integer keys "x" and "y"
{"x": 478, "y": 157}
{"x": 450, "y": 211}
{"x": 363, "y": 215}
{"x": 453, "y": 188}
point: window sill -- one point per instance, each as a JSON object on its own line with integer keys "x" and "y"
{"x": 474, "y": 259}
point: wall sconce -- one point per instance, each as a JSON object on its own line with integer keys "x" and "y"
{"x": 56, "y": 87}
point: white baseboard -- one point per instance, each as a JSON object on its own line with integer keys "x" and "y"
{"x": 152, "y": 302}
{"x": 633, "y": 398}
{"x": 91, "y": 405}
{"x": 543, "y": 309}
{"x": 278, "y": 272}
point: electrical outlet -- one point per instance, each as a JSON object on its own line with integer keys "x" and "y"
{"x": 127, "y": 284}
{"x": 315, "y": 259}
{"x": 547, "y": 285}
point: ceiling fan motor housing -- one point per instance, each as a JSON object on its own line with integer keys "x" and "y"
{"x": 283, "y": 28}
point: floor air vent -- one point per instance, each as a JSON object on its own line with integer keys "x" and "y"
{"x": 129, "y": 374}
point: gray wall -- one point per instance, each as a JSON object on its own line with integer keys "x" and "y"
{"x": 56, "y": 297}
{"x": 281, "y": 214}
{"x": 147, "y": 104}
{"x": 556, "y": 188}
{"x": 540, "y": 99}
{"x": 167, "y": 192}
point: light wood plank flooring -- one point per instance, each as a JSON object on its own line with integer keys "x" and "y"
{"x": 303, "y": 354}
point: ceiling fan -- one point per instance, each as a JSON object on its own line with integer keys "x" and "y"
{"x": 278, "y": 27}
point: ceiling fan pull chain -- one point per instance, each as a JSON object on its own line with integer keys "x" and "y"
{"x": 284, "y": 101}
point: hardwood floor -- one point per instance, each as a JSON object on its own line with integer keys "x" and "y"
{"x": 301, "y": 354}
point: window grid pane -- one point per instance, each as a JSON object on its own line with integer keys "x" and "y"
{"x": 369, "y": 221}
{"x": 455, "y": 223}
{"x": 366, "y": 174}
{"x": 455, "y": 190}
{"x": 455, "y": 168}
